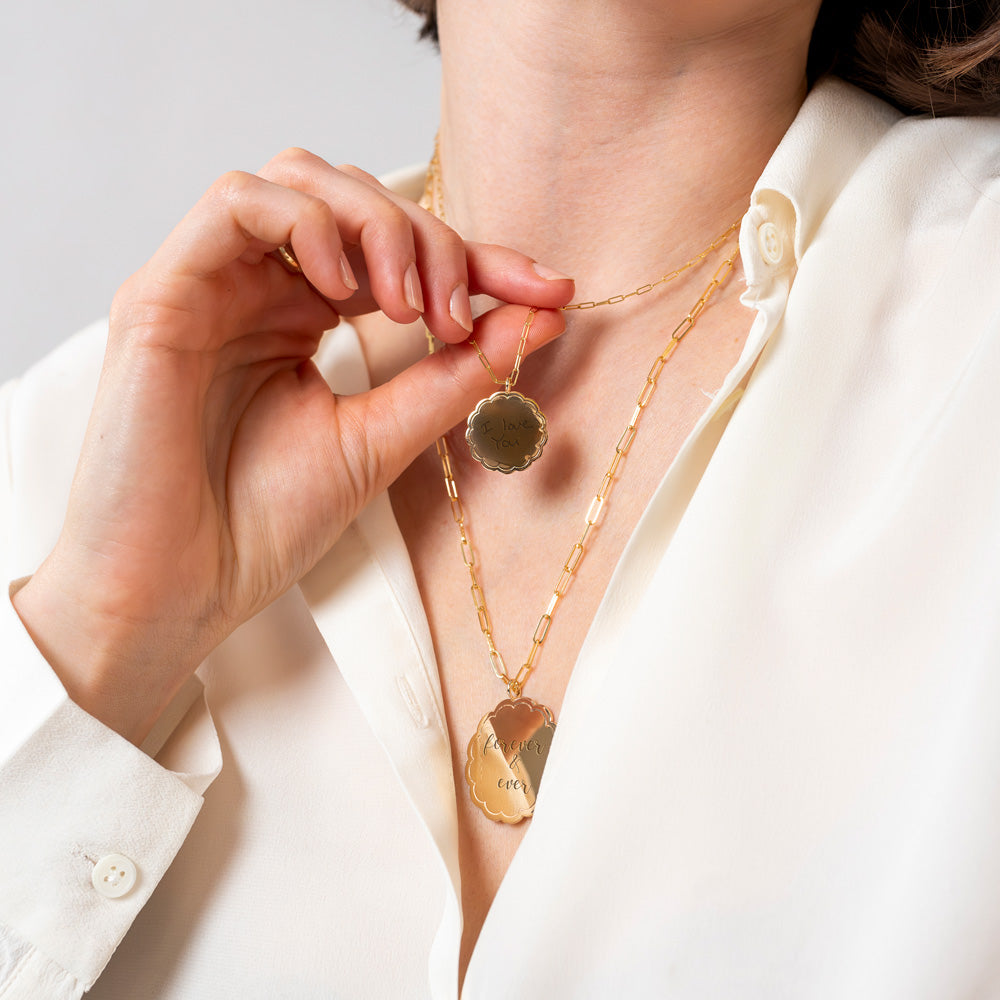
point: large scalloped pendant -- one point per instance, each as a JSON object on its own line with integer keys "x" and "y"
{"x": 506, "y": 759}
{"x": 506, "y": 432}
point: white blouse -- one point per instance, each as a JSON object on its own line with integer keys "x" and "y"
{"x": 777, "y": 767}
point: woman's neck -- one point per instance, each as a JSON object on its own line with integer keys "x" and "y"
{"x": 613, "y": 139}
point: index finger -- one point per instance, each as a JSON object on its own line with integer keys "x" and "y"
{"x": 511, "y": 276}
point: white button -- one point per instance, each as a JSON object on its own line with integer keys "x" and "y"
{"x": 114, "y": 876}
{"x": 772, "y": 245}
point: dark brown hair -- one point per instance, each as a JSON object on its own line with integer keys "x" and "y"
{"x": 936, "y": 56}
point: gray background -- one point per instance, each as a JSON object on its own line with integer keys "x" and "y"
{"x": 117, "y": 114}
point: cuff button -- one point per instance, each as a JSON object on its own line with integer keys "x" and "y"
{"x": 114, "y": 876}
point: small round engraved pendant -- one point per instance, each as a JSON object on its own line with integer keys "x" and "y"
{"x": 506, "y": 432}
{"x": 506, "y": 758}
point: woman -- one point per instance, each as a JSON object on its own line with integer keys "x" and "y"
{"x": 776, "y": 765}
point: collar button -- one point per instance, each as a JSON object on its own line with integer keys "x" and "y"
{"x": 771, "y": 243}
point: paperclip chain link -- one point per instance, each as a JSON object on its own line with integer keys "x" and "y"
{"x": 511, "y": 380}
{"x": 515, "y": 684}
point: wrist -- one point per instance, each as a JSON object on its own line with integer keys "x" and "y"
{"x": 116, "y": 670}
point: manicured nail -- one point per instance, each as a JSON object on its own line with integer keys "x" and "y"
{"x": 460, "y": 308}
{"x": 411, "y": 289}
{"x": 549, "y": 273}
{"x": 346, "y": 273}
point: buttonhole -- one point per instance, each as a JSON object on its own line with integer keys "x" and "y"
{"x": 412, "y": 705}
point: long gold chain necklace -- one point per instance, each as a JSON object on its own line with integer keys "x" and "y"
{"x": 507, "y": 753}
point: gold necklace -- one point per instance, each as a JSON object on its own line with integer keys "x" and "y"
{"x": 507, "y": 753}
{"x": 507, "y": 431}
{"x": 432, "y": 200}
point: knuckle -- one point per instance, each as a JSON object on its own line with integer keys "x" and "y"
{"x": 454, "y": 368}
{"x": 358, "y": 174}
{"x": 394, "y": 221}
{"x": 231, "y": 184}
{"x": 120, "y": 315}
{"x": 445, "y": 239}
{"x": 362, "y": 469}
{"x": 295, "y": 157}
{"x": 318, "y": 213}
{"x": 290, "y": 164}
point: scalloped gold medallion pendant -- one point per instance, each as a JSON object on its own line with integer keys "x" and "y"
{"x": 506, "y": 432}
{"x": 506, "y": 759}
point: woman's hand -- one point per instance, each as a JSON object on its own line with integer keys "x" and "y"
{"x": 218, "y": 467}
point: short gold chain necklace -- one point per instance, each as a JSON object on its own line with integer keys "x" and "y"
{"x": 507, "y": 754}
{"x": 507, "y": 431}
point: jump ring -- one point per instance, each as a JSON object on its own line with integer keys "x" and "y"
{"x": 286, "y": 255}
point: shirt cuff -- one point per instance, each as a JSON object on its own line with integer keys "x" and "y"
{"x": 89, "y": 823}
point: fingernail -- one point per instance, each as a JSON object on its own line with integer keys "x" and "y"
{"x": 346, "y": 273}
{"x": 411, "y": 289}
{"x": 549, "y": 273}
{"x": 460, "y": 308}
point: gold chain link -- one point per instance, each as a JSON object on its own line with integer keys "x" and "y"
{"x": 511, "y": 380}
{"x": 515, "y": 684}
{"x": 669, "y": 276}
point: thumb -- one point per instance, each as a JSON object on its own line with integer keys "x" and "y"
{"x": 401, "y": 418}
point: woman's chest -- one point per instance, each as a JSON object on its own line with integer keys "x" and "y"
{"x": 510, "y": 588}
